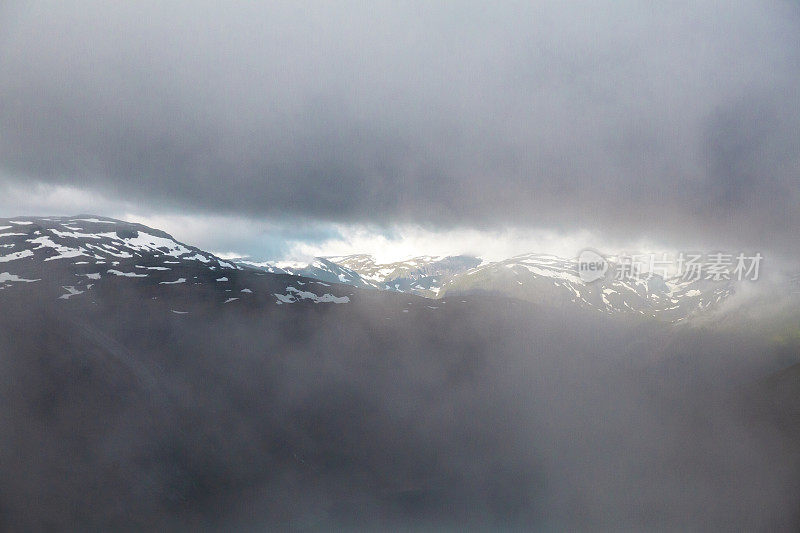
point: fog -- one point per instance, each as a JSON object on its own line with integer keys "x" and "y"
{"x": 487, "y": 414}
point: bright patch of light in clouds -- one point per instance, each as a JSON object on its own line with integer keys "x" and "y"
{"x": 410, "y": 241}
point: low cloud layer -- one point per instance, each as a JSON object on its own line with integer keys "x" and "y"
{"x": 639, "y": 121}
{"x": 479, "y": 416}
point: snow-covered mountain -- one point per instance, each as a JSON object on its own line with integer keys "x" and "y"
{"x": 552, "y": 280}
{"x": 423, "y": 276}
{"x": 320, "y": 268}
{"x": 70, "y": 257}
{"x": 539, "y": 278}
{"x": 74, "y": 255}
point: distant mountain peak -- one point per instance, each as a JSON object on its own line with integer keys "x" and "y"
{"x": 537, "y": 277}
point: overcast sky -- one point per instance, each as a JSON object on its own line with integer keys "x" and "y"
{"x": 266, "y": 129}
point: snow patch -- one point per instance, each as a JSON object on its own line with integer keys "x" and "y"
{"x": 179, "y": 280}
{"x": 127, "y": 274}
{"x": 71, "y": 291}
{"x": 16, "y": 255}
{"x": 5, "y": 276}
{"x": 294, "y": 295}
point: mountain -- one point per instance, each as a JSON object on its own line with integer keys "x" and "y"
{"x": 73, "y": 257}
{"x": 320, "y": 268}
{"x": 422, "y": 275}
{"x": 554, "y": 281}
{"x": 543, "y": 279}
{"x": 149, "y": 385}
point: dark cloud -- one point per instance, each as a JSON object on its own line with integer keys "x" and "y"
{"x": 638, "y": 120}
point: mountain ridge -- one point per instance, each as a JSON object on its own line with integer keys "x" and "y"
{"x": 539, "y": 278}
{"x": 76, "y": 253}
